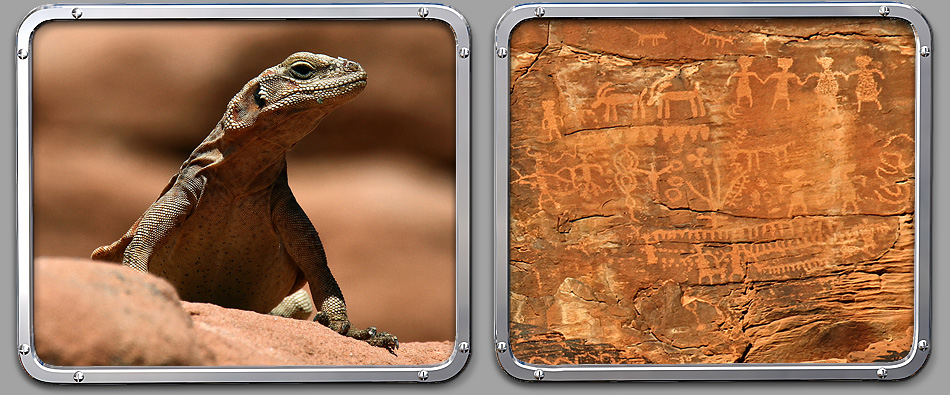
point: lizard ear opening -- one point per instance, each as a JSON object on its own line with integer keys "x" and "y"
{"x": 259, "y": 97}
{"x": 245, "y": 106}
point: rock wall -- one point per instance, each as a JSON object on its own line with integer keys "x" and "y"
{"x": 712, "y": 191}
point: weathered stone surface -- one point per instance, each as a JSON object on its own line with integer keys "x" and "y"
{"x": 88, "y": 313}
{"x": 712, "y": 191}
{"x": 246, "y": 338}
{"x": 91, "y": 313}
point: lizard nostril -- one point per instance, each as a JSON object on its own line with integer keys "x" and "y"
{"x": 352, "y": 66}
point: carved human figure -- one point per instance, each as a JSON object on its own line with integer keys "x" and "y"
{"x": 782, "y": 78}
{"x": 582, "y": 174}
{"x": 827, "y": 78}
{"x": 550, "y": 121}
{"x": 743, "y": 86}
{"x": 866, "y": 90}
{"x": 795, "y": 191}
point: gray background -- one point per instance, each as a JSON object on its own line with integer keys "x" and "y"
{"x": 483, "y": 373}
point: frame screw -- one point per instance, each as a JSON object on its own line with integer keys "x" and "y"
{"x": 24, "y": 349}
{"x": 77, "y": 13}
{"x": 502, "y": 52}
{"x": 423, "y": 375}
{"x": 464, "y": 52}
{"x": 78, "y": 376}
{"x": 501, "y": 347}
{"x": 881, "y": 373}
{"x": 884, "y": 10}
{"x": 22, "y": 53}
{"x": 464, "y": 347}
{"x": 539, "y": 12}
{"x": 923, "y": 345}
{"x": 423, "y": 12}
{"x": 539, "y": 374}
{"x": 925, "y": 51}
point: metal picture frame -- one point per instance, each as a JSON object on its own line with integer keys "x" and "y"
{"x": 920, "y": 347}
{"x": 243, "y": 12}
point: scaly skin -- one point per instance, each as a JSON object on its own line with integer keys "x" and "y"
{"x": 227, "y": 229}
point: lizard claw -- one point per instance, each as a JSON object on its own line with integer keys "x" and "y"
{"x": 385, "y": 340}
{"x": 375, "y": 338}
{"x": 370, "y": 335}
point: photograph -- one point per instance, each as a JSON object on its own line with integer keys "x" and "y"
{"x": 712, "y": 191}
{"x": 244, "y": 192}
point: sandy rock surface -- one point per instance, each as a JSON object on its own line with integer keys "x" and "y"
{"x": 89, "y": 313}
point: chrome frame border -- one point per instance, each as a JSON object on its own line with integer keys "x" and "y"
{"x": 818, "y": 371}
{"x": 100, "y": 374}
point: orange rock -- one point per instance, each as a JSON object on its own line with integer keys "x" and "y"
{"x": 238, "y": 337}
{"x": 89, "y": 313}
{"x": 712, "y": 191}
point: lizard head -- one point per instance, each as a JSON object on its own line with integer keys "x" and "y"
{"x": 304, "y": 87}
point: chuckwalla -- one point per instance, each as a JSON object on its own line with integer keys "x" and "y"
{"x": 227, "y": 229}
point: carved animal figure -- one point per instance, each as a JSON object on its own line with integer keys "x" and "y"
{"x": 662, "y": 99}
{"x": 719, "y": 41}
{"x": 608, "y": 96}
{"x": 653, "y": 37}
{"x": 227, "y": 229}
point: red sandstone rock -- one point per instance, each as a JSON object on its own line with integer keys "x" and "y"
{"x": 89, "y": 313}
{"x": 711, "y": 191}
{"x": 237, "y": 337}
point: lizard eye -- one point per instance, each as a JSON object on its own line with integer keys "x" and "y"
{"x": 302, "y": 70}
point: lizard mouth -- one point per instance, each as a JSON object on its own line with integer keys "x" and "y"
{"x": 344, "y": 86}
{"x": 357, "y": 80}
{"x": 335, "y": 92}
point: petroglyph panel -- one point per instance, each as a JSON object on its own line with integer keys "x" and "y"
{"x": 711, "y": 191}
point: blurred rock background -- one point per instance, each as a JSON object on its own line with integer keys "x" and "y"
{"x": 119, "y": 105}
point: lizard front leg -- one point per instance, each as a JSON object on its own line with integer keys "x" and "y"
{"x": 152, "y": 229}
{"x": 303, "y": 245}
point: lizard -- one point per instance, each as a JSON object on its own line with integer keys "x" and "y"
{"x": 227, "y": 229}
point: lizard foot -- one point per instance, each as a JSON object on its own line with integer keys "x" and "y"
{"x": 369, "y": 335}
{"x": 379, "y": 339}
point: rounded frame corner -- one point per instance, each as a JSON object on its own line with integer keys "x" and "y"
{"x": 511, "y": 366}
{"x": 36, "y": 370}
{"x": 457, "y": 362}
{"x": 909, "y": 367}
{"x": 34, "y": 18}
{"x": 510, "y": 19}
{"x": 452, "y": 17}
{"x": 915, "y": 18}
